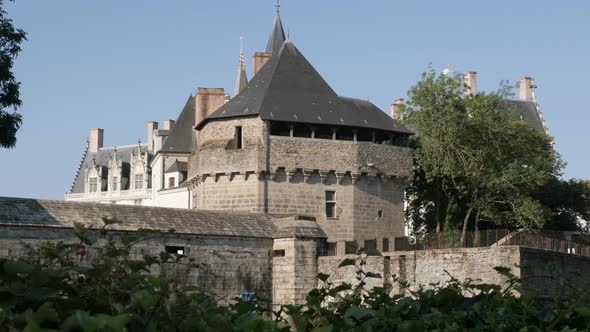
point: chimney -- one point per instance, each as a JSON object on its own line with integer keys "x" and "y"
{"x": 168, "y": 124}
{"x": 526, "y": 88}
{"x": 397, "y": 110}
{"x": 151, "y": 126}
{"x": 95, "y": 141}
{"x": 207, "y": 101}
{"x": 470, "y": 80}
{"x": 259, "y": 60}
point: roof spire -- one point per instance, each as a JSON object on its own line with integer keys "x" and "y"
{"x": 242, "y": 79}
{"x": 277, "y": 34}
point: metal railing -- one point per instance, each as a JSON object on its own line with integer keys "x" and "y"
{"x": 566, "y": 242}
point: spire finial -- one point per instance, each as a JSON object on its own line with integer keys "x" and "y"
{"x": 242, "y": 64}
{"x": 277, "y": 6}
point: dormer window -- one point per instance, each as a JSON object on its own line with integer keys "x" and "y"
{"x": 93, "y": 185}
{"x": 138, "y": 181}
{"x": 171, "y": 182}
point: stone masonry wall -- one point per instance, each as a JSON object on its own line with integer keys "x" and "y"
{"x": 554, "y": 274}
{"x": 295, "y": 267}
{"x": 231, "y": 265}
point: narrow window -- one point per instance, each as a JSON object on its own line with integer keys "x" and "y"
{"x": 114, "y": 184}
{"x": 138, "y": 181}
{"x": 176, "y": 250}
{"x": 331, "y": 204}
{"x": 380, "y": 213}
{"x": 385, "y": 244}
{"x": 171, "y": 183}
{"x": 93, "y": 186}
{"x": 238, "y": 137}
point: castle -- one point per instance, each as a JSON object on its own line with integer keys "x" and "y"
{"x": 267, "y": 188}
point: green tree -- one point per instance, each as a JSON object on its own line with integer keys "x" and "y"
{"x": 10, "y": 41}
{"x": 481, "y": 160}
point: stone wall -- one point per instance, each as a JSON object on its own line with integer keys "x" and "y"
{"x": 340, "y": 156}
{"x": 554, "y": 274}
{"x": 295, "y": 267}
{"x": 231, "y": 265}
{"x": 549, "y": 274}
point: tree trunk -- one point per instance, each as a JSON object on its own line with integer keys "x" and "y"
{"x": 437, "y": 205}
{"x": 465, "y": 221}
{"x": 477, "y": 238}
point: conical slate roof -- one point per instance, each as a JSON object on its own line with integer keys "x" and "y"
{"x": 288, "y": 88}
{"x": 277, "y": 36}
{"x": 181, "y": 138}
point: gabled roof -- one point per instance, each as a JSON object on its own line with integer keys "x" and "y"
{"x": 288, "y": 88}
{"x": 102, "y": 158}
{"x": 178, "y": 166}
{"x": 524, "y": 110}
{"x": 181, "y": 139}
{"x": 277, "y": 36}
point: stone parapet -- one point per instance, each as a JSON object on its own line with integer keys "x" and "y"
{"x": 355, "y": 158}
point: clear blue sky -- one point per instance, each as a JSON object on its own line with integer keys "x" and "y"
{"x": 117, "y": 64}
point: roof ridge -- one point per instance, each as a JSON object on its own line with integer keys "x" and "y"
{"x": 80, "y": 166}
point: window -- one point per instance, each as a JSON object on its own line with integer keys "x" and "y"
{"x": 331, "y": 204}
{"x": 380, "y": 214}
{"x": 171, "y": 183}
{"x": 138, "y": 181}
{"x": 137, "y": 202}
{"x": 331, "y": 249}
{"x": 350, "y": 247}
{"x": 278, "y": 253}
{"x": 176, "y": 250}
{"x": 93, "y": 186}
{"x": 114, "y": 184}
{"x": 238, "y": 137}
{"x": 385, "y": 244}
{"x": 371, "y": 247}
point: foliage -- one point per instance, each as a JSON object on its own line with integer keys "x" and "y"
{"x": 60, "y": 288}
{"x": 476, "y": 162}
{"x": 10, "y": 40}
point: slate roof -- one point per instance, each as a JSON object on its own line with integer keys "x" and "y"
{"x": 178, "y": 166}
{"x": 277, "y": 36}
{"x": 102, "y": 158}
{"x": 60, "y": 214}
{"x": 524, "y": 110}
{"x": 181, "y": 139}
{"x": 288, "y": 88}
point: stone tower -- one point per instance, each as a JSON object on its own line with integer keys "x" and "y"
{"x": 287, "y": 144}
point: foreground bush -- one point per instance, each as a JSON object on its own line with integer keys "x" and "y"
{"x": 55, "y": 290}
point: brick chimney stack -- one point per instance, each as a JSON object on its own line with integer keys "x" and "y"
{"x": 470, "y": 80}
{"x": 168, "y": 124}
{"x": 397, "y": 109}
{"x": 96, "y": 139}
{"x": 259, "y": 59}
{"x": 151, "y": 127}
{"x": 526, "y": 88}
{"x": 207, "y": 101}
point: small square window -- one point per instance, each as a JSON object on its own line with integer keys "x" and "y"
{"x": 171, "y": 182}
{"x": 278, "y": 253}
{"x": 331, "y": 249}
{"x": 177, "y": 250}
{"x": 350, "y": 247}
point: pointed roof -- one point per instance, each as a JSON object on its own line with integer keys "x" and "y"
{"x": 242, "y": 79}
{"x": 277, "y": 36}
{"x": 181, "y": 138}
{"x": 288, "y": 88}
